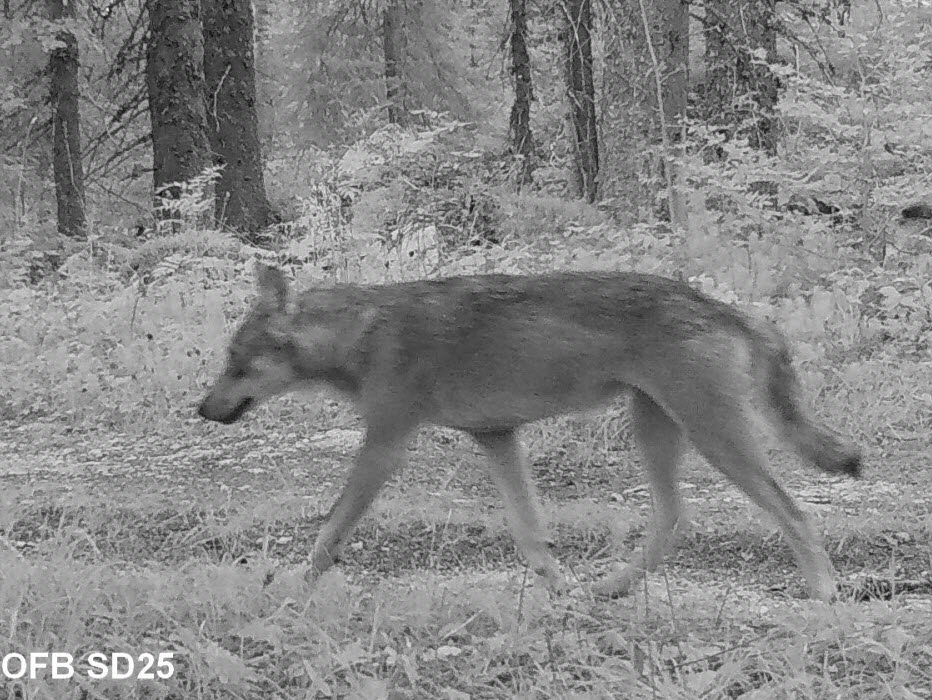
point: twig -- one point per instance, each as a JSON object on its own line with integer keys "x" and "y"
{"x": 223, "y": 77}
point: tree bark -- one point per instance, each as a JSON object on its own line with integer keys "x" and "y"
{"x": 175, "y": 82}
{"x": 266, "y": 83}
{"x": 577, "y": 38}
{"x": 673, "y": 49}
{"x": 673, "y": 87}
{"x": 522, "y": 142}
{"x": 394, "y": 49}
{"x": 66, "y": 125}
{"x": 232, "y": 121}
{"x": 736, "y": 30}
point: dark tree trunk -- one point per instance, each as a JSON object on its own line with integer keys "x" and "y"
{"x": 175, "y": 81}
{"x": 734, "y": 31}
{"x": 673, "y": 50}
{"x": 577, "y": 36}
{"x": 265, "y": 81}
{"x": 522, "y": 142}
{"x": 232, "y": 122}
{"x": 66, "y": 126}
{"x": 394, "y": 50}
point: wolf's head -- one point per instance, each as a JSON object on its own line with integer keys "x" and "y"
{"x": 262, "y": 357}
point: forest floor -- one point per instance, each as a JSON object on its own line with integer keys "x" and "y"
{"x": 193, "y": 540}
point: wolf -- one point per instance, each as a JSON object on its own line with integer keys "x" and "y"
{"x": 487, "y": 354}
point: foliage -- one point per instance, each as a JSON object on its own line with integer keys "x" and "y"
{"x": 115, "y": 338}
{"x": 112, "y": 111}
{"x": 234, "y": 637}
{"x": 329, "y": 77}
{"x": 401, "y": 203}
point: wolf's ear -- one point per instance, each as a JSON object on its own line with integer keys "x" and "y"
{"x": 272, "y": 285}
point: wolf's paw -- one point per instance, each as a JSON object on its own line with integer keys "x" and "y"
{"x": 824, "y": 589}
{"x": 617, "y": 583}
{"x": 313, "y": 572}
{"x": 553, "y": 580}
{"x": 559, "y": 586}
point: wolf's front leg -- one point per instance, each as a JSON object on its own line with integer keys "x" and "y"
{"x": 381, "y": 455}
{"x": 512, "y": 475}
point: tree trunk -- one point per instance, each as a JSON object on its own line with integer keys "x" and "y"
{"x": 232, "y": 123}
{"x": 673, "y": 49}
{"x": 735, "y": 30}
{"x": 266, "y": 82}
{"x": 394, "y": 49}
{"x": 66, "y": 125}
{"x": 577, "y": 38}
{"x": 175, "y": 81}
{"x": 673, "y": 63}
{"x": 522, "y": 142}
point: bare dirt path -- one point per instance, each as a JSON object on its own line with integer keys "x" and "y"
{"x": 233, "y": 493}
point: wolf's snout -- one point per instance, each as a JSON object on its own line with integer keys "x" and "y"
{"x": 202, "y": 410}
{"x": 209, "y": 410}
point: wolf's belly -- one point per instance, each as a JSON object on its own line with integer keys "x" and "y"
{"x": 490, "y": 407}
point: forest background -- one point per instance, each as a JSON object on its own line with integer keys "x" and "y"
{"x": 775, "y": 155}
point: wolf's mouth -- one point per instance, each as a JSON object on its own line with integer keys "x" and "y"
{"x": 237, "y": 411}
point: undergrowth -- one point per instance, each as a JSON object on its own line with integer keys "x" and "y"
{"x": 116, "y": 337}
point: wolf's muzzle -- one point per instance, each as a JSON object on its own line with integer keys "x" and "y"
{"x": 205, "y": 411}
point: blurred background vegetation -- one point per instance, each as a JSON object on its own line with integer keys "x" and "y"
{"x": 777, "y": 154}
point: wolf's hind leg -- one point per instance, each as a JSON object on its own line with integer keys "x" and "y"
{"x": 735, "y": 452}
{"x": 722, "y": 428}
{"x": 660, "y": 440}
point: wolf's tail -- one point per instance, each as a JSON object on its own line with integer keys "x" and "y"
{"x": 781, "y": 391}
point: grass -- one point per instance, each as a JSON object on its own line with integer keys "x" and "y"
{"x": 126, "y": 525}
{"x": 116, "y": 542}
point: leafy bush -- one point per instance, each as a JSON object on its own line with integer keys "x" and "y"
{"x": 85, "y": 351}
